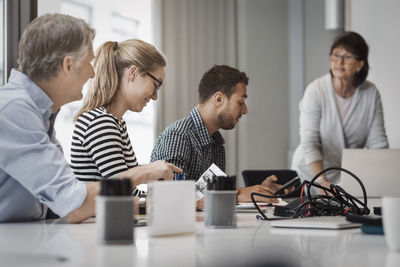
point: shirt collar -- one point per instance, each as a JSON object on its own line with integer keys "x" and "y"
{"x": 201, "y": 130}
{"x": 218, "y": 139}
{"x": 41, "y": 99}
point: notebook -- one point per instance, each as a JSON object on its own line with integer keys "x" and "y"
{"x": 378, "y": 169}
{"x": 249, "y": 207}
{"x": 323, "y": 222}
{"x": 262, "y": 205}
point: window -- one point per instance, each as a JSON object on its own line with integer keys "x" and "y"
{"x": 2, "y": 42}
{"x": 121, "y": 20}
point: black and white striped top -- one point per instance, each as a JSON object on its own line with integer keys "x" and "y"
{"x": 100, "y": 146}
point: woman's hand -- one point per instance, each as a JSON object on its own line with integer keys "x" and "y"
{"x": 325, "y": 183}
{"x": 162, "y": 170}
{"x": 158, "y": 170}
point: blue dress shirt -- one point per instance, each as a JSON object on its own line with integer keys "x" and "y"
{"x": 33, "y": 172}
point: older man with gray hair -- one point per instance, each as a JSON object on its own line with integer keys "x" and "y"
{"x": 55, "y": 54}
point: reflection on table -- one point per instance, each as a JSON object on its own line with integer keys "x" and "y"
{"x": 252, "y": 243}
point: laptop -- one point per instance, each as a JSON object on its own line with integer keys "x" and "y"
{"x": 378, "y": 170}
{"x": 323, "y": 222}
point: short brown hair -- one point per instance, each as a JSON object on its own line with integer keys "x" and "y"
{"x": 47, "y": 40}
{"x": 220, "y": 78}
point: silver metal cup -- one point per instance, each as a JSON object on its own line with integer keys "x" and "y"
{"x": 114, "y": 219}
{"x": 219, "y": 206}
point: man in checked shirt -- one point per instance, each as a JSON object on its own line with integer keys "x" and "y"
{"x": 194, "y": 143}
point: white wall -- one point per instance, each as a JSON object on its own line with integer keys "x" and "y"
{"x": 194, "y": 35}
{"x": 378, "y": 22}
{"x": 296, "y": 70}
{"x": 263, "y": 138}
{"x": 282, "y": 45}
{"x": 309, "y": 44}
{"x": 48, "y": 6}
{"x": 317, "y": 40}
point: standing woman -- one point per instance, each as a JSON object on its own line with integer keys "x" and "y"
{"x": 339, "y": 110}
{"x": 128, "y": 75}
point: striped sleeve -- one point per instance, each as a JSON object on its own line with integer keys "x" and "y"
{"x": 101, "y": 147}
{"x": 84, "y": 167}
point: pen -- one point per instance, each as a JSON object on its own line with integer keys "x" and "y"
{"x": 180, "y": 176}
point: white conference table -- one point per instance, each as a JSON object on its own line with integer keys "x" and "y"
{"x": 252, "y": 243}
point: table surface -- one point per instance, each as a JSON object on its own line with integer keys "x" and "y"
{"x": 252, "y": 243}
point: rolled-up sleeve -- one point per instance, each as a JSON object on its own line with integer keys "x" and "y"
{"x": 310, "y": 117}
{"x": 28, "y": 156}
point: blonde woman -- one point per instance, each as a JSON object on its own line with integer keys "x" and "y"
{"x": 128, "y": 75}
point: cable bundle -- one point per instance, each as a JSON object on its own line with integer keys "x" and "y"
{"x": 334, "y": 202}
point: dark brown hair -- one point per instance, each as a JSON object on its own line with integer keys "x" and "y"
{"x": 355, "y": 44}
{"x": 220, "y": 78}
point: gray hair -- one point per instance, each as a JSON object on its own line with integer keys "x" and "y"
{"x": 48, "y": 39}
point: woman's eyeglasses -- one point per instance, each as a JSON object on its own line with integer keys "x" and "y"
{"x": 346, "y": 58}
{"x": 158, "y": 81}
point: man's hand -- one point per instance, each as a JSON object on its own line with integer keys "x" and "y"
{"x": 270, "y": 182}
{"x": 200, "y": 204}
{"x": 87, "y": 209}
{"x": 267, "y": 187}
{"x": 243, "y": 194}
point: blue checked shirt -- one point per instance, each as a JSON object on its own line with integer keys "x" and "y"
{"x": 33, "y": 172}
{"x": 187, "y": 144}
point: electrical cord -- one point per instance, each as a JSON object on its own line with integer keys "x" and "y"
{"x": 335, "y": 200}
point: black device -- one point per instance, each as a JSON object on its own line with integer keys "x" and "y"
{"x": 289, "y": 210}
{"x": 378, "y": 211}
{"x": 365, "y": 219}
{"x": 255, "y": 177}
{"x": 222, "y": 183}
{"x": 332, "y": 201}
{"x": 294, "y": 181}
{"x": 371, "y": 224}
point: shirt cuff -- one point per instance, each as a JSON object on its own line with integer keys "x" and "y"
{"x": 313, "y": 156}
{"x": 70, "y": 198}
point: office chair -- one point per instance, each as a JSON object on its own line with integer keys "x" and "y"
{"x": 254, "y": 177}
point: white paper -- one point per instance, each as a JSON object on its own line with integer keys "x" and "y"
{"x": 209, "y": 174}
{"x": 171, "y": 207}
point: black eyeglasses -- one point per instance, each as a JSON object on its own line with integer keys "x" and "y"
{"x": 346, "y": 58}
{"x": 156, "y": 80}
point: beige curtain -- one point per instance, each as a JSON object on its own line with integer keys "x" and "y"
{"x": 194, "y": 35}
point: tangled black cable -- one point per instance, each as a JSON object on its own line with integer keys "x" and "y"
{"x": 336, "y": 200}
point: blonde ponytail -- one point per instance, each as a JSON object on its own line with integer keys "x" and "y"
{"x": 109, "y": 64}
